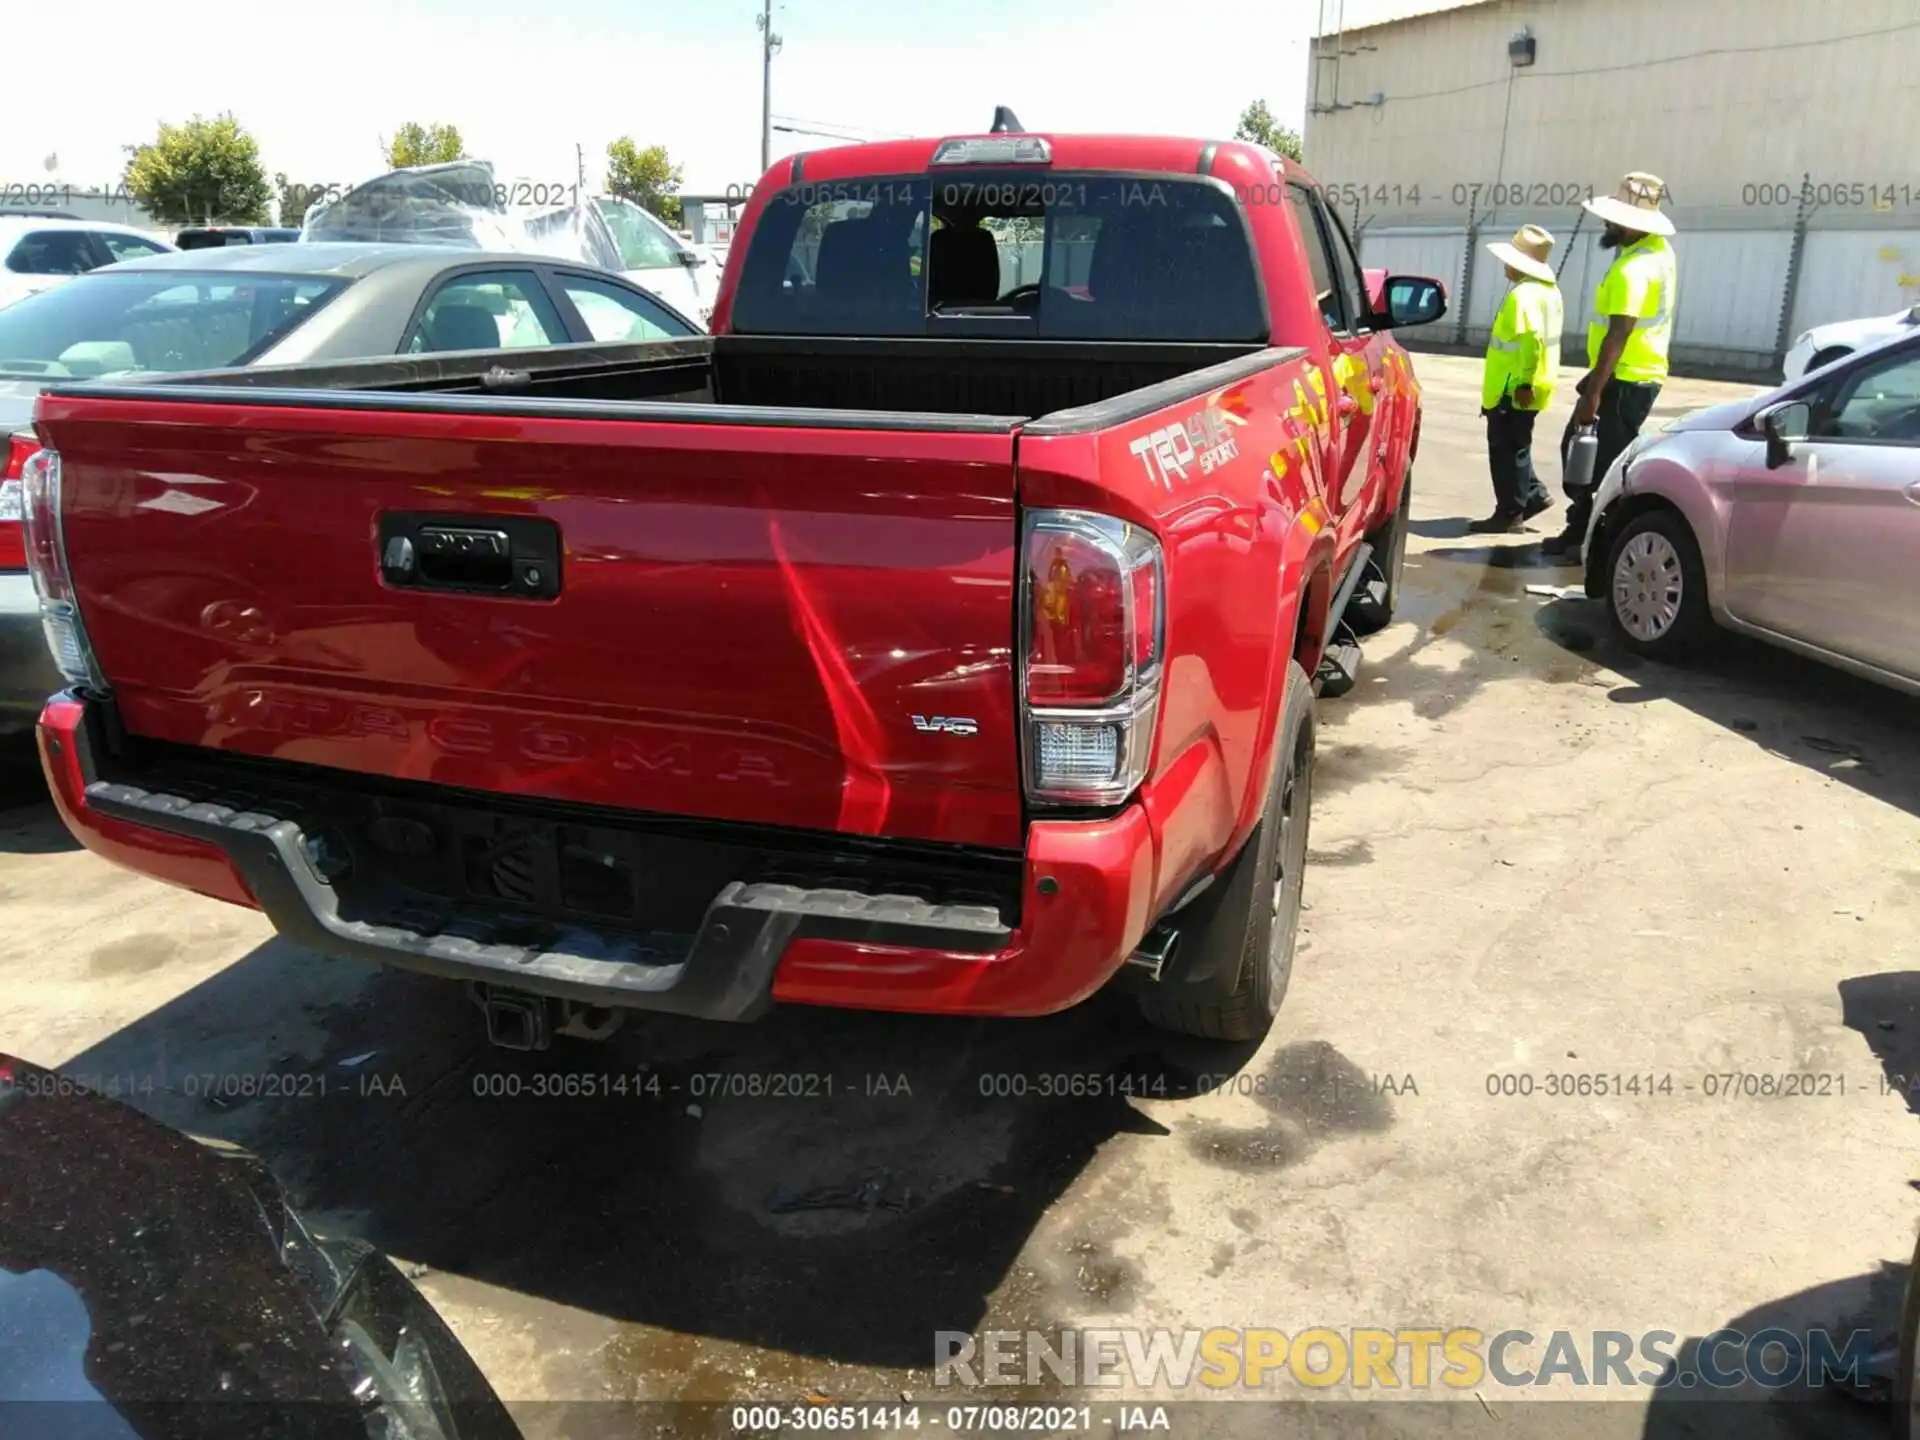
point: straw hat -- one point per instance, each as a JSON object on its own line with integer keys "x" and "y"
{"x": 1527, "y": 252}
{"x": 1635, "y": 205}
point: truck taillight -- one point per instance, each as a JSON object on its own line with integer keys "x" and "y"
{"x": 13, "y": 540}
{"x": 47, "y": 559}
{"x": 1093, "y": 597}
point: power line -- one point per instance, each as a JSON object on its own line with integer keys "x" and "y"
{"x": 820, "y": 134}
{"x": 1779, "y": 45}
{"x": 815, "y": 127}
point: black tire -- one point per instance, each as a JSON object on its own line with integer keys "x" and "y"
{"x": 1366, "y": 615}
{"x": 1249, "y": 919}
{"x": 1656, "y": 586}
{"x": 1906, "y": 1400}
{"x": 1823, "y": 358}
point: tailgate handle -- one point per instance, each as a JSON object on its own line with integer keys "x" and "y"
{"x": 506, "y": 555}
{"x": 448, "y": 554}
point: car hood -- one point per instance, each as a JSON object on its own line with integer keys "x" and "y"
{"x": 1864, "y": 332}
{"x": 460, "y": 204}
{"x": 1717, "y": 417}
{"x": 141, "y": 1268}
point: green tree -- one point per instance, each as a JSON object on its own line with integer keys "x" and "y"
{"x": 292, "y": 199}
{"x": 200, "y": 172}
{"x": 1258, "y": 125}
{"x": 417, "y": 144}
{"x": 646, "y": 177}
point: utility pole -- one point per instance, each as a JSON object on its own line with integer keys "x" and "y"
{"x": 580, "y": 159}
{"x": 769, "y": 43}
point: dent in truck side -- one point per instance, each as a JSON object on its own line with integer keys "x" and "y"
{"x": 1227, "y": 472}
{"x": 1349, "y": 418}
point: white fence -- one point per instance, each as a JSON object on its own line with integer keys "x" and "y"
{"x": 1742, "y": 296}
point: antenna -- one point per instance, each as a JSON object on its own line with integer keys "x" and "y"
{"x": 1005, "y": 122}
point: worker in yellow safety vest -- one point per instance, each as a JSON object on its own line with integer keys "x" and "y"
{"x": 1627, "y": 340}
{"x": 1523, "y": 359}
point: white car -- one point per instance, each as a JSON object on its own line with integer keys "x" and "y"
{"x": 1819, "y": 347}
{"x": 1792, "y": 516}
{"x": 38, "y": 252}
{"x": 652, "y": 256}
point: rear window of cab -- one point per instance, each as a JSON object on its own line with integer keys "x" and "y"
{"x": 1013, "y": 254}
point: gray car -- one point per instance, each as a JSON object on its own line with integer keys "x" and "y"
{"x": 1793, "y": 517}
{"x": 272, "y": 305}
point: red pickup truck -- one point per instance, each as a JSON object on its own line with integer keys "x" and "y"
{"x": 940, "y": 634}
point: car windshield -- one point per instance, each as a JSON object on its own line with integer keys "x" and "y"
{"x": 644, "y": 245}
{"x": 108, "y": 323}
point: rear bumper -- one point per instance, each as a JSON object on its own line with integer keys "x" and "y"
{"x": 27, "y": 673}
{"x": 1086, "y": 887}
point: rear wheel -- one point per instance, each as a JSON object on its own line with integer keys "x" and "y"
{"x": 1657, "y": 586}
{"x": 1372, "y": 606}
{"x": 1248, "y": 921}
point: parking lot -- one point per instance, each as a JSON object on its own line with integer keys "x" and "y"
{"x": 1533, "y": 861}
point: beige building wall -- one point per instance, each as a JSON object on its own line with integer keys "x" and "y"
{"x": 1718, "y": 97}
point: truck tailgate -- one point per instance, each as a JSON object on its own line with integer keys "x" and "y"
{"x": 781, "y": 620}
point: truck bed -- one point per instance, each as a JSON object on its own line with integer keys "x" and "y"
{"x": 1016, "y": 379}
{"x": 741, "y": 579}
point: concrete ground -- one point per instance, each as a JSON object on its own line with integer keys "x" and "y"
{"x": 1531, "y": 858}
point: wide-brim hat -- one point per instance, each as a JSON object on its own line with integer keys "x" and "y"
{"x": 1527, "y": 252}
{"x": 1635, "y": 205}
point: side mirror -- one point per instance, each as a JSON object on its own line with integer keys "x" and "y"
{"x": 1782, "y": 425}
{"x": 692, "y": 259}
{"x": 1376, "y": 285}
{"x": 1411, "y": 300}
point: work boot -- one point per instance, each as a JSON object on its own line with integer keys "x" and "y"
{"x": 1501, "y": 522}
{"x": 1566, "y": 544}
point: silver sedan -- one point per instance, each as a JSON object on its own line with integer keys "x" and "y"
{"x": 272, "y": 305}
{"x": 1793, "y": 517}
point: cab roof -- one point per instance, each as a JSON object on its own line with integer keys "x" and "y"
{"x": 352, "y": 260}
{"x": 1134, "y": 154}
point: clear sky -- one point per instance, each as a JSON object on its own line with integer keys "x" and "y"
{"x": 525, "y": 80}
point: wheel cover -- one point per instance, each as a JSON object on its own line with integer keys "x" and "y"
{"x": 1649, "y": 586}
{"x": 1290, "y": 861}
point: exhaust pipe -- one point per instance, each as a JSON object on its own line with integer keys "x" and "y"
{"x": 515, "y": 1021}
{"x": 1156, "y": 950}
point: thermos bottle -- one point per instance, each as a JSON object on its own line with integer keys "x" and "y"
{"x": 1580, "y": 458}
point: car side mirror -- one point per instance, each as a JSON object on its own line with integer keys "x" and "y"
{"x": 692, "y": 259}
{"x": 1411, "y": 300}
{"x": 1376, "y": 287}
{"x": 1782, "y": 425}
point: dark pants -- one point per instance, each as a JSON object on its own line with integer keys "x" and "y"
{"x": 1624, "y": 407}
{"x": 1510, "y": 457}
